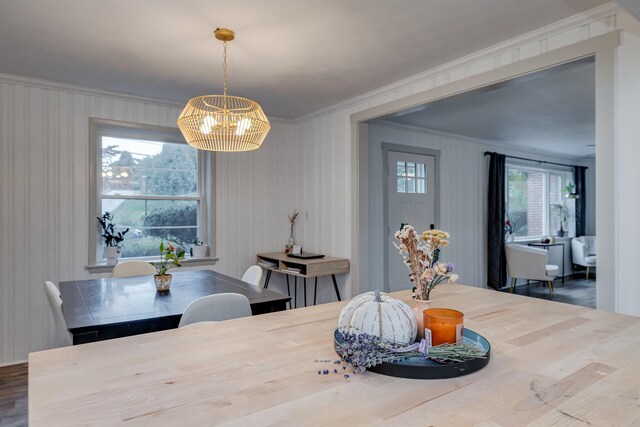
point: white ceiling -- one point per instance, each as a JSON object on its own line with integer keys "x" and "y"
{"x": 551, "y": 111}
{"x": 292, "y": 56}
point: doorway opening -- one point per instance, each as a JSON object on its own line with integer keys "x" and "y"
{"x": 471, "y": 216}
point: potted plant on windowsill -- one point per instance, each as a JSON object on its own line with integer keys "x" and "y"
{"x": 112, "y": 239}
{"x": 199, "y": 248}
{"x": 570, "y": 191}
{"x": 169, "y": 257}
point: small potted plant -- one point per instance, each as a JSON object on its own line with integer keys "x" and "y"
{"x": 169, "y": 257}
{"x": 199, "y": 248}
{"x": 112, "y": 239}
{"x": 570, "y": 191}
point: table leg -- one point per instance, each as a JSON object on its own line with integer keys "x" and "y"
{"x": 335, "y": 285}
{"x": 288, "y": 291}
{"x": 266, "y": 280}
{"x": 315, "y": 291}
{"x": 305, "y": 290}
{"x": 295, "y": 291}
{"x": 562, "y": 247}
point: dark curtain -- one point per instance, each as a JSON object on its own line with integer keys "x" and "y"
{"x": 496, "y": 260}
{"x": 579, "y": 178}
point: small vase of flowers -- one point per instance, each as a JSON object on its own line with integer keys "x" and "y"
{"x": 421, "y": 254}
{"x": 169, "y": 257}
{"x": 292, "y": 222}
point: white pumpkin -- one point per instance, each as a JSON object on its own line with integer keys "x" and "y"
{"x": 380, "y": 315}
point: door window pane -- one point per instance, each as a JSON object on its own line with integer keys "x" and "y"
{"x": 411, "y": 169}
{"x": 411, "y": 185}
{"x": 411, "y": 177}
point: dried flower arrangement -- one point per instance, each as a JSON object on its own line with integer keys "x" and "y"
{"x": 421, "y": 256}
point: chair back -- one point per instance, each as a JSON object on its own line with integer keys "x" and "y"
{"x": 215, "y": 308}
{"x": 133, "y": 268}
{"x": 61, "y": 337}
{"x": 524, "y": 262}
{"x": 253, "y": 275}
{"x": 589, "y": 244}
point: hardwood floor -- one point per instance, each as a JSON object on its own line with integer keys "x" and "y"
{"x": 575, "y": 290}
{"x": 13, "y": 395}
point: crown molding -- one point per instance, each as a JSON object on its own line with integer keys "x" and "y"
{"x": 84, "y": 90}
{"x": 68, "y": 87}
{"x": 542, "y": 33}
{"x": 487, "y": 143}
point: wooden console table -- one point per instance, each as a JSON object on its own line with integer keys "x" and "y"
{"x": 309, "y": 268}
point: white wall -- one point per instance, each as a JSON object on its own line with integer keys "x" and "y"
{"x": 626, "y": 212}
{"x": 44, "y": 196}
{"x": 462, "y": 196}
{"x": 255, "y": 193}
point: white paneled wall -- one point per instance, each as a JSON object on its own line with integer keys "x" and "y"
{"x": 462, "y": 199}
{"x": 255, "y": 193}
{"x": 44, "y": 197}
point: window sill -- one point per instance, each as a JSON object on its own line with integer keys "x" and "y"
{"x": 188, "y": 262}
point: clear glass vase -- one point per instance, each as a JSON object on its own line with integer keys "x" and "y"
{"x": 291, "y": 242}
{"x": 418, "y": 311}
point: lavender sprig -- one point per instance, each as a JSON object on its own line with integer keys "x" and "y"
{"x": 361, "y": 351}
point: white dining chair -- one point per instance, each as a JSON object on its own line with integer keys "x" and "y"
{"x": 583, "y": 250}
{"x": 61, "y": 337}
{"x": 253, "y": 275}
{"x": 216, "y": 308}
{"x": 133, "y": 268}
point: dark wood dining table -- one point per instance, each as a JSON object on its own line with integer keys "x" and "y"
{"x": 101, "y": 309}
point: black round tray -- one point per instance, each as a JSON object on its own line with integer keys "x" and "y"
{"x": 427, "y": 369}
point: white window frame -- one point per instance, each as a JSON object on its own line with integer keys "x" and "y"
{"x": 206, "y": 196}
{"x": 546, "y": 212}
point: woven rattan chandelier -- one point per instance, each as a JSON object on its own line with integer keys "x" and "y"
{"x": 223, "y": 122}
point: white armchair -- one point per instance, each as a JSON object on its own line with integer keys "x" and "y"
{"x": 524, "y": 262}
{"x": 583, "y": 251}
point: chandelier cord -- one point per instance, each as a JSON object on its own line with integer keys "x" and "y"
{"x": 224, "y": 67}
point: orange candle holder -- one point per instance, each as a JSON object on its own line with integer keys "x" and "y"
{"x": 442, "y": 326}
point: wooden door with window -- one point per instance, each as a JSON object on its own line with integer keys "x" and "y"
{"x": 411, "y": 181}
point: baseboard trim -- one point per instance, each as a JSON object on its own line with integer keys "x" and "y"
{"x": 13, "y": 363}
